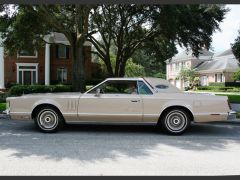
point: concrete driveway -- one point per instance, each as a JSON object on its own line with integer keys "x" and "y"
{"x": 207, "y": 149}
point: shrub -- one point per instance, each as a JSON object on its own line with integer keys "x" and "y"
{"x": 28, "y": 89}
{"x": 3, "y": 97}
{"x": 217, "y": 84}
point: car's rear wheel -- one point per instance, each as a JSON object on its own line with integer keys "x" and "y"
{"x": 175, "y": 121}
{"x": 48, "y": 119}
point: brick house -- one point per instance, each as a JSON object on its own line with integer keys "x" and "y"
{"x": 210, "y": 67}
{"x": 48, "y": 65}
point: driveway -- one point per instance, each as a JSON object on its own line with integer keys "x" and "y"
{"x": 206, "y": 149}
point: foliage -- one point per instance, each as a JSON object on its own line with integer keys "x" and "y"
{"x": 28, "y": 89}
{"x": 2, "y": 107}
{"x": 236, "y": 47}
{"x": 151, "y": 27}
{"x": 27, "y": 25}
{"x": 188, "y": 75}
{"x": 160, "y": 75}
{"x": 132, "y": 69}
{"x": 3, "y": 97}
{"x": 236, "y": 75}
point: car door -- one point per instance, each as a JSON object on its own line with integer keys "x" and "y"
{"x": 110, "y": 106}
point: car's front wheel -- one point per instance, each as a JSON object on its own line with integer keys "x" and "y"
{"x": 175, "y": 121}
{"x": 48, "y": 119}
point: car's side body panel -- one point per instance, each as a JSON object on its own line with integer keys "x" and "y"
{"x": 87, "y": 107}
{"x": 110, "y": 108}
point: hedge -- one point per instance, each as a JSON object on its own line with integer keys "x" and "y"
{"x": 18, "y": 90}
{"x": 219, "y": 88}
{"x": 217, "y": 84}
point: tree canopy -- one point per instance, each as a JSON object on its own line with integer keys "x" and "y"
{"x": 133, "y": 27}
{"x": 154, "y": 29}
{"x": 236, "y": 47}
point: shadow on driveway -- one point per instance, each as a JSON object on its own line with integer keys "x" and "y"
{"x": 97, "y": 142}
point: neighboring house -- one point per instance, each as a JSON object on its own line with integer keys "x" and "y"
{"x": 47, "y": 65}
{"x": 209, "y": 67}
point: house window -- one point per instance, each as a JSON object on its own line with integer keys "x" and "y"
{"x": 62, "y": 51}
{"x": 204, "y": 80}
{"x": 219, "y": 78}
{"x": 27, "y": 54}
{"x": 27, "y": 73}
{"x": 171, "y": 67}
{"x": 177, "y": 66}
{"x": 62, "y": 75}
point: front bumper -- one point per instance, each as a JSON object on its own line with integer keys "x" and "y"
{"x": 232, "y": 115}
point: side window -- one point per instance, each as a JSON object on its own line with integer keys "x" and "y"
{"x": 143, "y": 88}
{"x": 117, "y": 87}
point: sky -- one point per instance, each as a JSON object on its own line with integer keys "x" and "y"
{"x": 229, "y": 30}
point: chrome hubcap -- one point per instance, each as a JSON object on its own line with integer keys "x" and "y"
{"x": 176, "y": 121}
{"x": 48, "y": 119}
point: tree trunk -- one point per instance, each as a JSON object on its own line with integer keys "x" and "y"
{"x": 108, "y": 64}
{"x": 122, "y": 68}
{"x": 78, "y": 67}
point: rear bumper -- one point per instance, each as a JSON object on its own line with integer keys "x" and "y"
{"x": 232, "y": 115}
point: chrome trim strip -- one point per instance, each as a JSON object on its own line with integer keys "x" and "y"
{"x": 209, "y": 114}
{"x": 115, "y": 123}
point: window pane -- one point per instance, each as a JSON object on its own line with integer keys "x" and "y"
{"x": 143, "y": 88}
{"x": 62, "y": 75}
{"x": 62, "y": 51}
{"x": 27, "y": 67}
{"x": 27, "y": 53}
{"x": 117, "y": 87}
{"x": 34, "y": 77}
{"x": 20, "y": 77}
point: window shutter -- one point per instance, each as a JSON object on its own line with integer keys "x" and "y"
{"x": 67, "y": 52}
{"x": 56, "y": 51}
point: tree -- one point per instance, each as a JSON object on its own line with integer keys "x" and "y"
{"x": 153, "y": 54}
{"x": 128, "y": 27}
{"x": 132, "y": 69}
{"x": 236, "y": 47}
{"x": 26, "y": 26}
{"x": 236, "y": 75}
{"x": 188, "y": 75}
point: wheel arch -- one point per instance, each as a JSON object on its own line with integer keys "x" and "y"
{"x": 176, "y": 107}
{"x": 39, "y": 106}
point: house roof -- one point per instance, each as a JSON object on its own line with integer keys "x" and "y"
{"x": 56, "y": 37}
{"x": 224, "y": 61}
{"x": 186, "y": 55}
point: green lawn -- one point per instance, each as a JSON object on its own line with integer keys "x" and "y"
{"x": 2, "y": 107}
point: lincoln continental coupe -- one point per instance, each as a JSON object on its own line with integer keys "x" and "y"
{"x": 122, "y": 101}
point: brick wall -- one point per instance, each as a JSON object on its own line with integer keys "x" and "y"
{"x": 55, "y": 63}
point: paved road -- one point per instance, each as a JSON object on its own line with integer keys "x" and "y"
{"x": 207, "y": 149}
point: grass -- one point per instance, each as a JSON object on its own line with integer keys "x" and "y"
{"x": 2, "y": 107}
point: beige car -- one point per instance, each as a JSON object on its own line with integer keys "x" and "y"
{"x": 122, "y": 100}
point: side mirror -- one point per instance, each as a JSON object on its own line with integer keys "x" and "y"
{"x": 98, "y": 92}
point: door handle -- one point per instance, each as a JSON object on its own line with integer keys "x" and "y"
{"x": 135, "y": 100}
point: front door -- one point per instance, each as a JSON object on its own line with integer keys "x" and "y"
{"x": 118, "y": 101}
{"x": 27, "y": 78}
